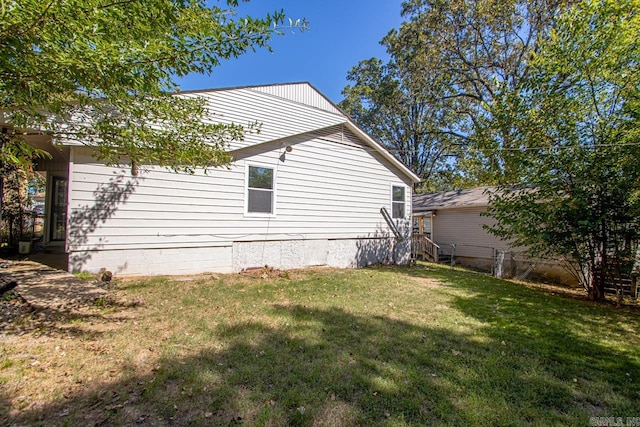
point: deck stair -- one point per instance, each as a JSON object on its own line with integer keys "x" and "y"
{"x": 424, "y": 248}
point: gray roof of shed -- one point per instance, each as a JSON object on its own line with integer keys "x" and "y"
{"x": 451, "y": 199}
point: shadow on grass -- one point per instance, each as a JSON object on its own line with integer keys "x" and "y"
{"x": 55, "y": 322}
{"x": 590, "y": 348}
{"x": 328, "y": 366}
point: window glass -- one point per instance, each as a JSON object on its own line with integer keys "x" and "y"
{"x": 260, "y": 177}
{"x": 58, "y": 218}
{"x": 397, "y": 202}
{"x": 398, "y": 194}
{"x": 260, "y": 190}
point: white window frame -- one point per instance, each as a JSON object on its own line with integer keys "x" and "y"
{"x": 406, "y": 189}
{"x": 246, "y": 191}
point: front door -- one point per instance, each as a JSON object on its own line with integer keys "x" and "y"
{"x": 58, "y": 212}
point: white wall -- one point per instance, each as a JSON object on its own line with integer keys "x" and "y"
{"x": 464, "y": 227}
{"x": 278, "y": 117}
{"x": 328, "y": 197}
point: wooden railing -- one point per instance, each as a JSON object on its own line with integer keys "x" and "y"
{"x": 422, "y": 246}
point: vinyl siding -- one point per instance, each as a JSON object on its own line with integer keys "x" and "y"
{"x": 475, "y": 247}
{"x": 464, "y": 228}
{"x": 325, "y": 190}
{"x": 273, "y": 114}
{"x": 299, "y": 92}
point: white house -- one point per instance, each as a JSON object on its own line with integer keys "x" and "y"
{"x": 307, "y": 190}
{"x": 455, "y": 221}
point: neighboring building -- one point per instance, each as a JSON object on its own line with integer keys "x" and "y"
{"x": 453, "y": 220}
{"x": 307, "y": 190}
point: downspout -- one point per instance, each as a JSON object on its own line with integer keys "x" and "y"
{"x": 394, "y": 229}
{"x": 392, "y": 226}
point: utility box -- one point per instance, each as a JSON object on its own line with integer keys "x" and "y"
{"x": 24, "y": 247}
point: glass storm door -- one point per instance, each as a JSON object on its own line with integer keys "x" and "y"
{"x": 58, "y": 217}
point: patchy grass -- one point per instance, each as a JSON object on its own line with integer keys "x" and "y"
{"x": 389, "y": 346}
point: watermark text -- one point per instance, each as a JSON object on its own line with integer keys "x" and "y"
{"x": 614, "y": 421}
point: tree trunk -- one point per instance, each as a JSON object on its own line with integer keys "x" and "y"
{"x": 596, "y": 288}
{"x": 598, "y": 294}
{"x": 1, "y": 193}
{"x": 2, "y": 143}
{"x": 10, "y": 224}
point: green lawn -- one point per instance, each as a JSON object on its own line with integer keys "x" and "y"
{"x": 387, "y": 346}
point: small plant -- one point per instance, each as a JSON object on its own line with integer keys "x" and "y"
{"x": 101, "y": 302}
{"x": 105, "y": 275}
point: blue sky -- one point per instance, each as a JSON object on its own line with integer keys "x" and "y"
{"x": 342, "y": 33}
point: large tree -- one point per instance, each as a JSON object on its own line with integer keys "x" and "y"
{"x": 450, "y": 62}
{"x": 577, "y": 145}
{"x": 102, "y": 72}
{"x": 401, "y": 115}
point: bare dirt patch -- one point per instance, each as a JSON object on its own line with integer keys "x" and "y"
{"x": 428, "y": 282}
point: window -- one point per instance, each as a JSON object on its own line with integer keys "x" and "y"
{"x": 260, "y": 194}
{"x": 397, "y": 202}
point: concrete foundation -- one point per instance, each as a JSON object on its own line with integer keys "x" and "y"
{"x": 282, "y": 254}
